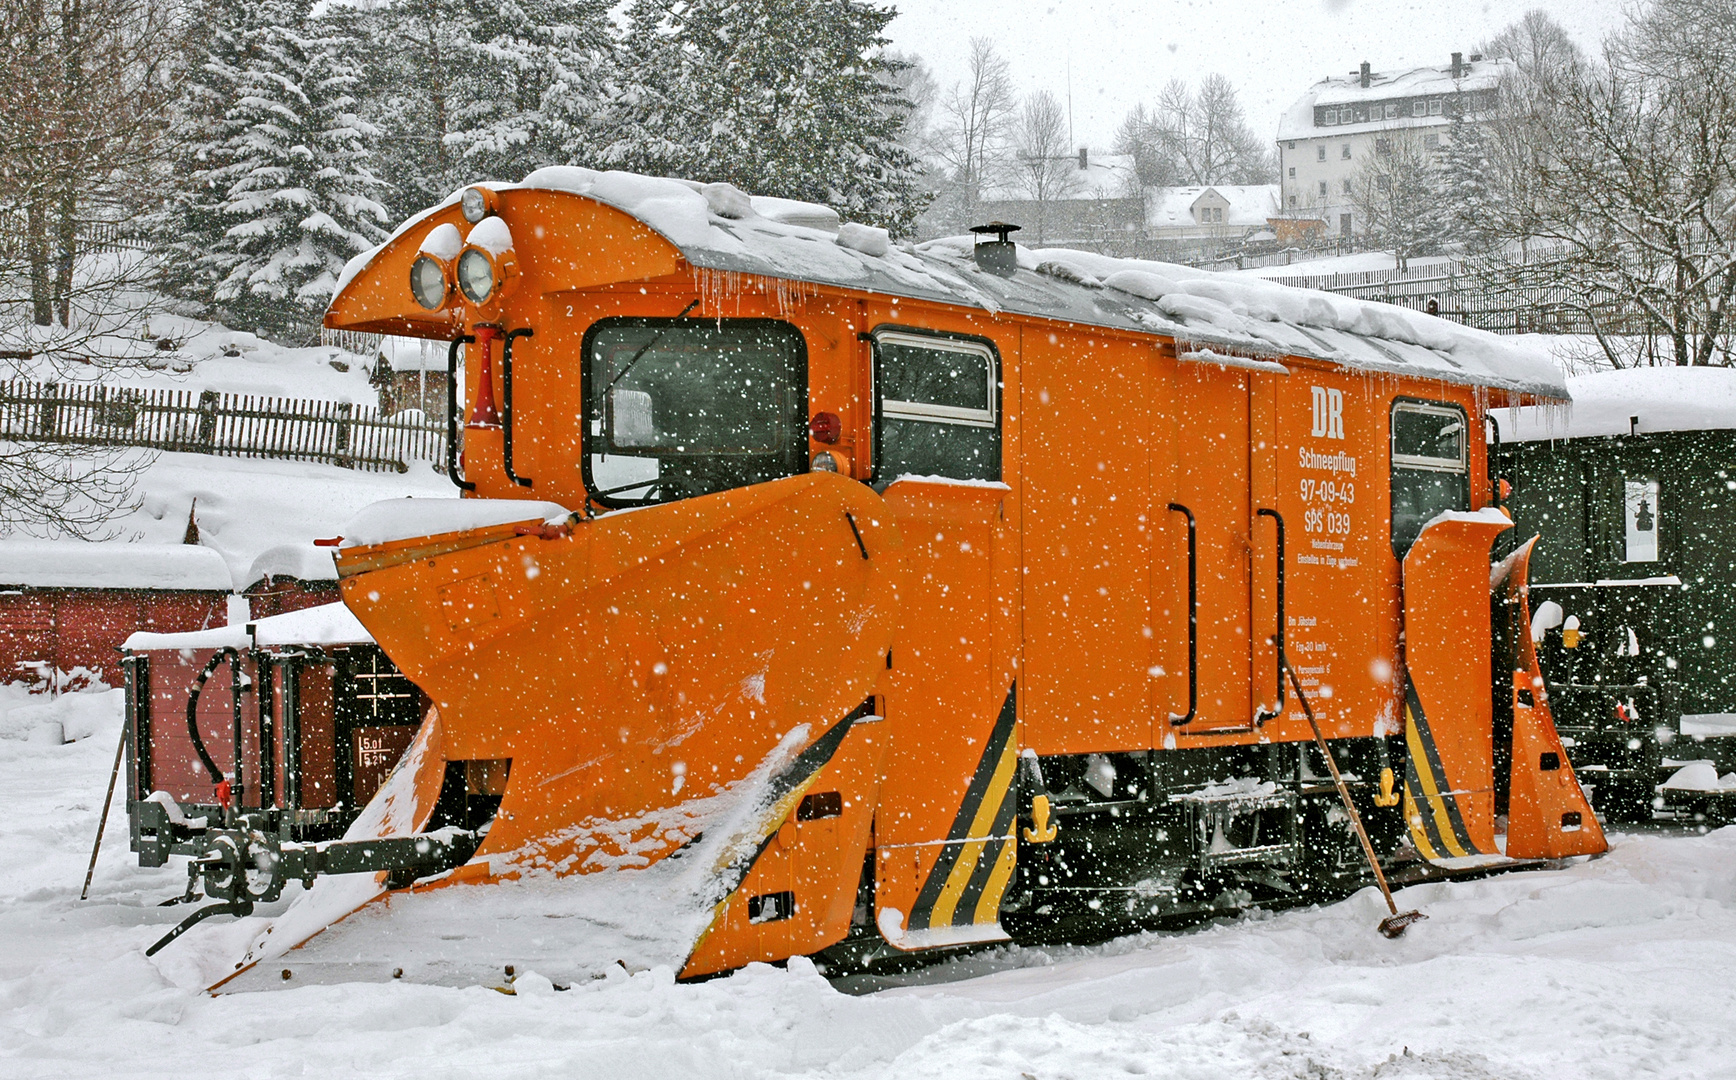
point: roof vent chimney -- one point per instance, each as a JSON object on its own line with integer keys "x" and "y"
{"x": 1367, "y": 75}
{"x": 1458, "y": 64}
{"x": 1084, "y": 159}
{"x": 1000, "y": 255}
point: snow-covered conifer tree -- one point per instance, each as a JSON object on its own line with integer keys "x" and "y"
{"x": 291, "y": 180}
{"x": 779, "y": 97}
{"x": 1470, "y": 199}
{"x": 469, "y": 90}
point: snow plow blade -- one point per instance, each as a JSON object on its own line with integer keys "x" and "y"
{"x": 1449, "y": 784}
{"x": 667, "y": 680}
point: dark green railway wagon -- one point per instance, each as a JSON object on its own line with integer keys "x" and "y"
{"x": 1634, "y": 580}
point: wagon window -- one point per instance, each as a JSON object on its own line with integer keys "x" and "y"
{"x": 677, "y": 408}
{"x": 1429, "y": 467}
{"x": 937, "y": 407}
{"x": 1640, "y": 514}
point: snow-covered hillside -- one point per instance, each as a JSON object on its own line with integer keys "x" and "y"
{"x": 1616, "y": 968}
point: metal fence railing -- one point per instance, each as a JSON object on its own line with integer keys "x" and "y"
{"x": 233, "y": 425}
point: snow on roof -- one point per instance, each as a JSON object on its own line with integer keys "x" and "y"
{"x": 1298, "y": 120}
{"x": 1604, "y": 403}
{"x": 412, "y": 354}
{"x": 1105, "y": 176}
{"x": 716, "y": 227}
{"x": 327, "y": 624}
{"x": 301, "y": 561}
{"x": 403, "y": 519}
{"x": 81, "y": 564}
{"x": 1249, "y": 204}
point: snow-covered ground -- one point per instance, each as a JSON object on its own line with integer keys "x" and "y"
{"x": 248, "y": 506}
{"x": 1616, "y": 967}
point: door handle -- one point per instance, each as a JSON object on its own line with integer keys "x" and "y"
{"x": 1193, "y": 620}
{"x": 1262, "y": 714}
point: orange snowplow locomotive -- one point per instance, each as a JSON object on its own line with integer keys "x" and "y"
{"x": 927, "y": 597}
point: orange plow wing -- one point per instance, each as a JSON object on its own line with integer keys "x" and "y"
{"x": 674, "y": 679}
{"x": 640, "y": 659}
{"x": 1449, "y": 788}
{"x": 1548, "y": 815}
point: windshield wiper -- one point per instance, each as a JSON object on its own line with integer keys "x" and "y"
{"x": 645, "y": 348}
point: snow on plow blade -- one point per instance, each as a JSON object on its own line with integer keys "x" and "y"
{"x": 666, "y": 681}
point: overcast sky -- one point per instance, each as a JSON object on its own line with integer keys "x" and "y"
{"x": 1123, "y": 51}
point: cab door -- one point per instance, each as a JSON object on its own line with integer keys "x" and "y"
{"x": 1224, "y": 478}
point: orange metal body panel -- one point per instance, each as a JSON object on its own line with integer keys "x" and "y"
{"x": 1548, "y": 815}
{"x": 1086, "y": 521}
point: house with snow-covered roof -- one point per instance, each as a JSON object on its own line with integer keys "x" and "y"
{"x": 1209, "y": 212}
{"x": 1091, "y": 201}
{"x": 1327, "y": 135}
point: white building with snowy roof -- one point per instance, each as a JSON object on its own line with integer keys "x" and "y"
{"x": 1209, "y": 212}
{"x": 1332, "y": 130}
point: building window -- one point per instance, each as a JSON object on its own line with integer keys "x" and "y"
{"x": 1383, "y": 146}
{"x": 1347, "y": 187}
{"x": 1419, "y": 107}
{"x": 1392, "y": 111}
{"x": 1291, "y": 145}
{"x": 1292, "y": 172}
{"x": 1431, "y": 142}
{"x": 1292, "y": 202}
{"x": 1320, "y": 154}
{"x": 1384, "y": 183}
{"x": 1323, "y": 189}
{"x": 1344, "y": 152}
{"x": 1434, "y": 106}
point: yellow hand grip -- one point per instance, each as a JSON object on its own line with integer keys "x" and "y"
{"x": 1387, "y": 796}
{"x": 1040, "y": 832}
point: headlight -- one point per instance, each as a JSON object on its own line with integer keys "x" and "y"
{"x": 477, "y": 203}
{"x": 476, "y": 275}
{"x": 428, "y": 282}
{"x": 824, "y": 461}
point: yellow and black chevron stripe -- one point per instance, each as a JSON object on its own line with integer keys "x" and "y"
{"x": 1436, "y": 826}
{"x": 976, "y": 862}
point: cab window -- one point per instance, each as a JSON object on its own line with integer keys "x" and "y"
{"x": 937, "y": 407}
{"x": 1430, "y": 470}
{"x": 677, "y": 408}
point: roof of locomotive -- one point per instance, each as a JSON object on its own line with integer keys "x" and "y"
{"x": 1633, "y": 401}
{"x": 718, "y": 227}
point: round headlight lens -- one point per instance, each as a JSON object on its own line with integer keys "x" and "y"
{"x": 476, "y": 276}
{"x": 474, "y": 203}
{"x": 824, "y": 461}
{"x": 428, "y": 282}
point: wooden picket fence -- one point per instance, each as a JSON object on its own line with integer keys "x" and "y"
{"x": 207, "y": 422}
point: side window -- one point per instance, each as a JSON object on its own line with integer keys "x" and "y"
{"x": 937, "y": 407}
{"x": 1430, "y": 472}
{"x": 1640, "y": 513}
